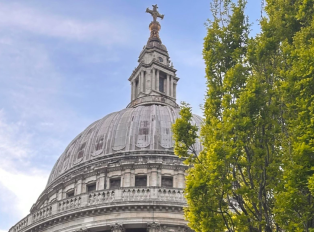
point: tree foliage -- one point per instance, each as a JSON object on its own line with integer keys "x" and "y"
{"x": 256, "y": 169}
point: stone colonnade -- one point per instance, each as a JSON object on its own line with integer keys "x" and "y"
{"x": 143, "y": 85}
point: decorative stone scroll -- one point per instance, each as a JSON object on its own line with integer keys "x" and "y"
{"x": 153, "y": 227}
{"x": 117, "y": 227}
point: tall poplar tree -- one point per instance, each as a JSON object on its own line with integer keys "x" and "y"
{"x": 256, "y": 169}
{"x": 231, "y": 185}
{"x": 292, "y": 24}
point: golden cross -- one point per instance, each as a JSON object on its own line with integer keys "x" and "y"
{"x": 155, "y": 13}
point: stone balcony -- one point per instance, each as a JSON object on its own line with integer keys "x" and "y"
{"x": 98, "y": 202}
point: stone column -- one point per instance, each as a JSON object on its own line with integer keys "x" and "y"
{"x": 59, "y": 196}
{"x": 168, "y": 85}
{"x": 181, "y": 182}
{"x": 175, "y": 90}
{"x": 171, "y": 87}
{"x": 154, "y": 177}
{"x": 84, "y": 186}
{"x": 153, "y": 79}
{"x": 158, "y": 177}
{"x": 101, "y": 181}
{"x": 132, "y": 177}
{"x": 132, "y": 90}
{"x": 153, "y": 227}
{"x": 117, "y": 228}
{"x": 141, "y": 81}
{"x": 138, "y": 90}
{"x": 157, "y": 80}
{"x": 127, "y": 178}
{"x": 78, "y": 187}
{"x": 107, "y": 182}
{"x": 144, "y": 81}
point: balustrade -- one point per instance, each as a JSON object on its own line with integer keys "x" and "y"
{"x": 132, "y": 194}
{"x": 136, "y": 194}
{"x": 70, "y": 203}
{"x": 101, "y": 197}
{"x": 42, "y": 213}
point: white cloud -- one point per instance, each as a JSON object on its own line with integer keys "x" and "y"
{"x": 20, "y": 184}
{"x": 25, "y": 188}
{"x": 106, "y": 32}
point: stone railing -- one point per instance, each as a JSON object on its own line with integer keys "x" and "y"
{"x": 101, "y": 197}
{"x": 42, "y": 213}
{"x": 156, "y": 194}
{"x": 98, "y": 198}
{"x": 70, "y": 203}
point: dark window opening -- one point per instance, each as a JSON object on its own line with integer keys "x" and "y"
{"x": 91, "y": 187}
{"x": 140, "y": 181}
{"x": 167, "y": 181}
{"x": 115, "y": 183}
{"x": 70, "y": 194}
{"x": 161, "y": 84}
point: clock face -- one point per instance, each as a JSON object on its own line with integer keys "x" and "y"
{"x": 160, "y": 59}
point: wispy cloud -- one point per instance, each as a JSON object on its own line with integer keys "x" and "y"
{"x": 106, "y": 32}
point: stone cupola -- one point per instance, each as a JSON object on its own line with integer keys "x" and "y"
{"x": 154, "y": 80}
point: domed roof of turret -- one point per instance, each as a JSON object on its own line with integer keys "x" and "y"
{"x": 142, "y": 129}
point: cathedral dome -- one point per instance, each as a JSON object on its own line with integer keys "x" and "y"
{"x": 142, "y": 129}
{"x": 120, "y": 174}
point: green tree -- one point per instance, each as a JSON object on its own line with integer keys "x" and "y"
{"x": 231, "y": 185}
{"x": 293, "y": 25}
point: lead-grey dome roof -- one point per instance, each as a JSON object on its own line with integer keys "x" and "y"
{"x": 129, "y": 130}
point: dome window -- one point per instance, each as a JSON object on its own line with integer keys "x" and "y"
{"x": 81, "y": 151}
{"x": 115, "y": 183}
{"x": 160, "y": 59}
{"x": 167, "y": 181}
{"x": 144, "y": 128}
{"x": 99, "y": 142}
{"x": 140, "y": 181}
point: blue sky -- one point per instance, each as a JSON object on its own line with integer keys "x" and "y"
{"x": 65, "y": 64}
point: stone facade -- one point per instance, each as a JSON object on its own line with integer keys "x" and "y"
{"x": 120, "y": 174}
